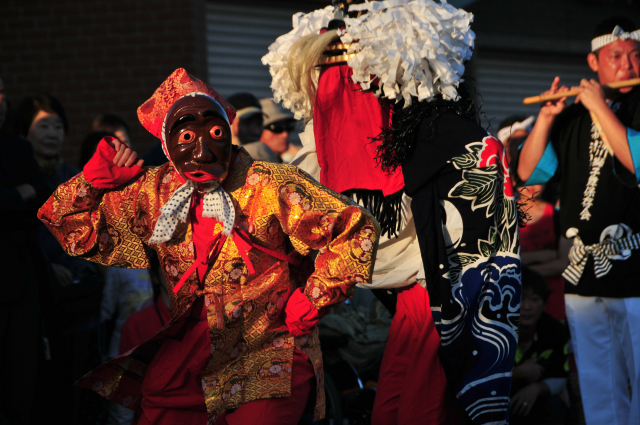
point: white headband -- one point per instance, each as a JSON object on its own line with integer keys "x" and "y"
{"x": 506, "y": 132}
{"x": 617, "y": 34}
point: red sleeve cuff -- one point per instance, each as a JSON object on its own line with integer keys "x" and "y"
{"x": 300, "y": 314}
{"x": 102, "y": 173}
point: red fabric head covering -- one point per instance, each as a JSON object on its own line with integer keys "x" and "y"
{"x": 345, "y": 119}
{"x": 180, "y": 83}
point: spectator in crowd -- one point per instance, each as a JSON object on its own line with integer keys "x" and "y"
{"x": 295, "y": 144}
{"x": 114, "y": 124}
{"x": 278, "y": 124}
{"x": 77, "y": 291}
{"x": 541, "y": 367}
{"x": 246, "y": 127}
{"x": 125, "y": 289}
{"x": 516, "y": 127}
{"x": 141, "y": 326}
{"x": 25, "y": 278}
{"x": 512, "y": 132}
{"x": 592, "y": 146}
{"x": 542, "y": 247}
{"x": 155, "y": 156}
{"x": 145, "y": 323}
{"x": 42, "y": 121}
{"x": 124, "y": 292}
{"x": 89, "y": 144}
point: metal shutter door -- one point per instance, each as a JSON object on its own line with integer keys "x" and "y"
{"x": 237, "y": 38}
{"x": 504, "y": 80}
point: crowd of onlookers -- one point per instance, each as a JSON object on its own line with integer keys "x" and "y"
{"x": 60, "y": 316}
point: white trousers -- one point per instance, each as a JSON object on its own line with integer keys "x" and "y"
{"x": 605, "y": 333}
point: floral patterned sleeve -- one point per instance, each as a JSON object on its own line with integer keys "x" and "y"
{"x": 100, "y": 225}
{"x": 346, "y": 236}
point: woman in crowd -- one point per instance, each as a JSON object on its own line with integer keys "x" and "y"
{"x": 42, "y": 121}
{"x": 77, "y": 289}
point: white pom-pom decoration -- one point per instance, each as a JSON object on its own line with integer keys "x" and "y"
{"x": 276, "y": 59}
{"x": 413, "y": 48}
{"x": 416, "y": 48}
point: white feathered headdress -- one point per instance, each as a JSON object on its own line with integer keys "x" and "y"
{"x": 413, "y": 48}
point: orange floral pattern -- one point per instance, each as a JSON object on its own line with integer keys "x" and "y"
{"x": 275, "y": 204}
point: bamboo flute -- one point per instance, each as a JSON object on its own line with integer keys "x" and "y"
{"x": 556, "y": 96}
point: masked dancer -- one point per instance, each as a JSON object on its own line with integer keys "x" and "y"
{"x": 241, "y": 346}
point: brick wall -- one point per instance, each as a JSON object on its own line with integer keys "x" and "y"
{"x": 99, "y": 56}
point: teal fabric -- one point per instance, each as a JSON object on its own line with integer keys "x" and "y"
{"x": 633, "y": 137}
{"x": 547, "y": 166}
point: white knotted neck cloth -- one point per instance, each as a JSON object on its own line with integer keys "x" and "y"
{"x": 617, "y": 34}
{"x": 216, "y": 201}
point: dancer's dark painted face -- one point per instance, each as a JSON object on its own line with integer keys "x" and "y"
{"x": 199, "y": 140}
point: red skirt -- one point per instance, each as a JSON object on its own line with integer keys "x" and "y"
{"x": 172, "y": 387}
{"x": 412, "y": 387}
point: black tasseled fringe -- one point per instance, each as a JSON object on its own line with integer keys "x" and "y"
{"x": 386, "y": 209}
{"x": 397, "y": 142}
{"x": 522, "y": 206}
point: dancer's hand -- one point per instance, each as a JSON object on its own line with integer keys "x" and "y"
{"x": 113, "y": 164}
{"x": 125, "y": 156}
{"x": 300, "y": 315}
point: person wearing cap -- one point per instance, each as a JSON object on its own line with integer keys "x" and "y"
{"x": 594, "y": 148}
{"x": 278, "y": 124}
{"x": 241, "y": 346}
{"x": 246, "y": 127}
{"x": 516, "y": 128}
{"x": 395, "y": 127}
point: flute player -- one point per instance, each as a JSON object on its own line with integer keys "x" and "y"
{"x": 595, "y": 148}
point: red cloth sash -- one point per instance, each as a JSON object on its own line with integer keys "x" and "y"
{"x": 207, "y": 248}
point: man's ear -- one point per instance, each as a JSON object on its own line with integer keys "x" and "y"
{"x": 592, "y": 60}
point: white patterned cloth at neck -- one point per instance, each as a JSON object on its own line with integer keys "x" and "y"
{"x": 216, "y": 204}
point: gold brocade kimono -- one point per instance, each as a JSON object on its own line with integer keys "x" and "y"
{"x": 252, "y": 349}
